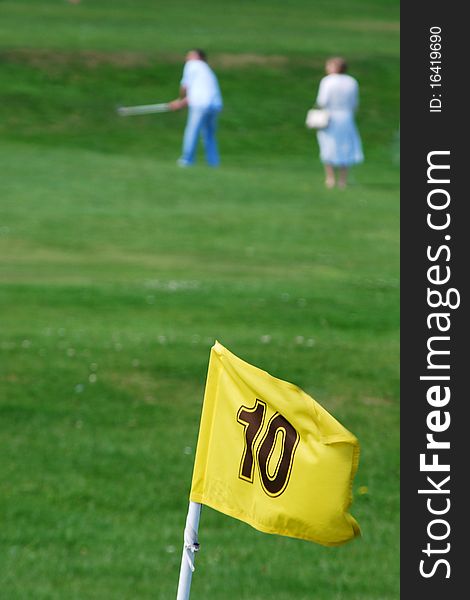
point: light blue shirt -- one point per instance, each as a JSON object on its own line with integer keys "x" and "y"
{"x": 202, "y": 87}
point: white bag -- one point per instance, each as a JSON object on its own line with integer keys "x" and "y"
{"x": 317, "y": 118}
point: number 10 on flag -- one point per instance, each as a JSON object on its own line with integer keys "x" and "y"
{"x": 279, "y": 433}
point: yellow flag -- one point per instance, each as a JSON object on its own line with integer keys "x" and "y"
{"x": 270, "y": 455}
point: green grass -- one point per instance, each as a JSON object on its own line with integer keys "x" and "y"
{"x": 265, "y": 26}
{"x": 118, "y": 271}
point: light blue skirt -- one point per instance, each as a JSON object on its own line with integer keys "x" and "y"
{"x": 340, "y": 143}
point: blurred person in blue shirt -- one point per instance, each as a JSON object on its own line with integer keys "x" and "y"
{"x": 200, "y": 92}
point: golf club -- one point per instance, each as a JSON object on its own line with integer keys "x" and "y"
{"x": 143, "y": 109}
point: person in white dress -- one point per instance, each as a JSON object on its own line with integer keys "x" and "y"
{"x": 340, "y": 143}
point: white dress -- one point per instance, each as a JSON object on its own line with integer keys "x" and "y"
{"x": 340, "y": 143}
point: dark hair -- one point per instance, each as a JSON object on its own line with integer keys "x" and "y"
{"x": 201, "y": 53}
{"x": 339, "y": 63}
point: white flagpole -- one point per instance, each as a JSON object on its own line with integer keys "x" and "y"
{"x": 190, "y": 546}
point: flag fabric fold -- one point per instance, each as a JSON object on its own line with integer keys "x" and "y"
{"x": 270, "y": 455}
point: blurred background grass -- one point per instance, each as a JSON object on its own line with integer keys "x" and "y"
{"x": 118, "y": 271}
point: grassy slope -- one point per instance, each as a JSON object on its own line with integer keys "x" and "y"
{"x": 119, "y": 271}
{"x": 267, "y": 26}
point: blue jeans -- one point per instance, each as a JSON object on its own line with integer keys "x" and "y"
{"x": 201, "y": 121}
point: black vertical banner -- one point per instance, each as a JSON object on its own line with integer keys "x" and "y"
{"x": 435, "y": 438}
